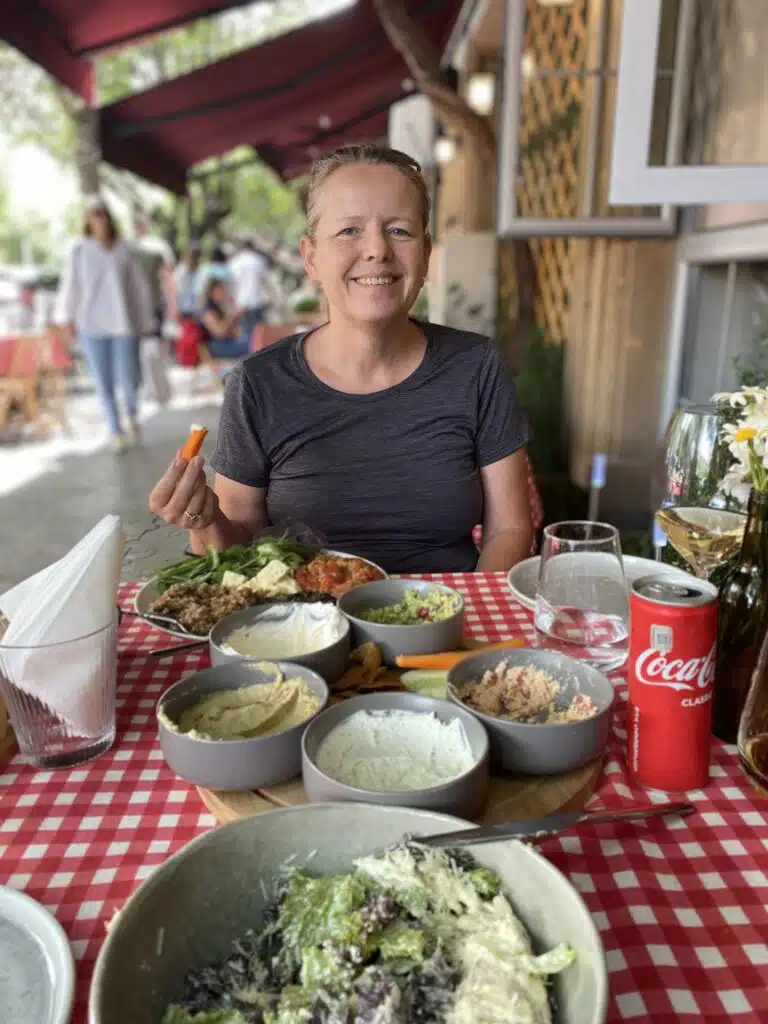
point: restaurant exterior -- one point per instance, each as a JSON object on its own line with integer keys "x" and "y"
{"x": 631, "y": 152}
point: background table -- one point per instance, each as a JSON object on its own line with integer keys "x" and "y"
{"x": 680, "y": 904}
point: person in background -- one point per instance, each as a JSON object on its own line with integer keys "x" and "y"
{"x": 251, "y": 287}
{"x": 158, "y": 261}
{"x": 26, "y": 318}
{"x": 221, "y": 323}
{"x": 186, "y": 286}
{"x": 217, "y": 268}
{"x": 105, "y": 299}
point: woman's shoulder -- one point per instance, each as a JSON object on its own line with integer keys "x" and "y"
{"x": 453, "y": 345}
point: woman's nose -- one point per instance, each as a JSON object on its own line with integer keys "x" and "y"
{"x": 376, "y": 242}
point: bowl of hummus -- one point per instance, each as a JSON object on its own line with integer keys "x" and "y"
{"x": 405, "y": 617}
{"x": 239, "y": 725}
{"x": 545, "y": 713}
{"x": 316, "y": 635}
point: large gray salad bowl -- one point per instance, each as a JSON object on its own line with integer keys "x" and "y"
{"x": 393, "y": 640}
{"x": 538, "y": 748}
{"x": 188, "y": 913}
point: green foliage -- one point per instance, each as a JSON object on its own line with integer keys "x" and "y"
{"x": 753, "y": 372}
{"x": 540, "y": 390}
{"x": 308, "y": 304}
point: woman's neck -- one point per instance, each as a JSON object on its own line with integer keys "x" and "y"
{"x": 364, "y": 358}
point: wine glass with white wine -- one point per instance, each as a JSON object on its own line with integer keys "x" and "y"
{"x": 704, "y": 526}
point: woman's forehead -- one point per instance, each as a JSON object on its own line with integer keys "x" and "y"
{"x": 361, "y": 190}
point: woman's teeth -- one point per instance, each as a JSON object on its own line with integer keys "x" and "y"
{"x": 375, "y": 280}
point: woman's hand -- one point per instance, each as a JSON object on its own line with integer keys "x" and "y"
{"x": 182, "y": 496}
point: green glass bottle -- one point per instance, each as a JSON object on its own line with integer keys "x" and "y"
{"x": 743, "y": 612}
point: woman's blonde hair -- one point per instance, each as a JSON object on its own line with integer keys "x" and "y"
{"x": 367, "y": 153}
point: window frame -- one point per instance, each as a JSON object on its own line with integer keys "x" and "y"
{"x": 632, "y": 180}
{"x": 509, "y": 222}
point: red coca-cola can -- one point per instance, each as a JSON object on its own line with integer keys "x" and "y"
{"x": 672, "y": 641}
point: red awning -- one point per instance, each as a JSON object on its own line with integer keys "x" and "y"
{"x": 78, "y": 28}
{"x": 311, "y": 89}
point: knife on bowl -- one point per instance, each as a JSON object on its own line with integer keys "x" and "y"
{"x": 539, "y": 828}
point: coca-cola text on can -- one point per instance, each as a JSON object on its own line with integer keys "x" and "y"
{"x": 673, "y": 631}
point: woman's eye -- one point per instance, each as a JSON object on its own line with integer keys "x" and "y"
{"x": 400, "y": 232}
{"x": 348, "y": 232}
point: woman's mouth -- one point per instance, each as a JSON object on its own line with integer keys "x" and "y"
{"x": 376, "y": 281}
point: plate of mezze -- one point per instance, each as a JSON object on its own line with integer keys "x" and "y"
{"x": 189, "y": 597}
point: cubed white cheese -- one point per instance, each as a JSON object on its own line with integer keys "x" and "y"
{"x": 233, "y": 579}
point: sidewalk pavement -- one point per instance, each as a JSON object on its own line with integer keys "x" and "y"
{"x": 52, "y": 492}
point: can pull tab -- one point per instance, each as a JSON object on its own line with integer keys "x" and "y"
{"x": 662, "y": 639}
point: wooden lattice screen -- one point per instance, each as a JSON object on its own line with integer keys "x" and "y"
{"x": 552, "y": 95}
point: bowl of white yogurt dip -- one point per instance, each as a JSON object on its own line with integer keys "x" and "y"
{"x": 399, "y": 749}
{"x": 315, "y": 635}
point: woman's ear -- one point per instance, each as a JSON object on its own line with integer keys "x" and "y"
{"x": 307, "y": 250}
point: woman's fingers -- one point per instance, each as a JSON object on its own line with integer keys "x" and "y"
{"x": 177, "y": 488}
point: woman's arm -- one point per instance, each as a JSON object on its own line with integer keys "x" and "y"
{"x": 65, "y": 308}
{"x": 220, "y": 326}
{"x": 507, "y": 526}
{"x": 240, "y": 515}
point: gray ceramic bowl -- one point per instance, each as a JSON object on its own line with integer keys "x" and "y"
{"x": 464, "y": 796}
{"x": 188, "y": 913}
{"x": 233, "y": 764}
{"x": 329, "y": 662}
{"x": 539, "y": 749}
{"x": 426, "y": 638}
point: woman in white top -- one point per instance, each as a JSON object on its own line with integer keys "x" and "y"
{"x": 106, "y": 300}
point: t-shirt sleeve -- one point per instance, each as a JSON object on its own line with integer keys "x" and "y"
{"x": 502, "y": 426}
{"x": 239, "y": 454}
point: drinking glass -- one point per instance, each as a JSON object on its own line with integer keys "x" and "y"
{"x": 701, "y": 524}
{"x": 80, "y": 674}
{"x": 582, "y": 602}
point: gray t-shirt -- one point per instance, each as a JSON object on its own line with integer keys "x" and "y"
{"x": 391, "y": 476}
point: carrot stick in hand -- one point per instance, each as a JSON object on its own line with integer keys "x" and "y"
{"x": 194, "y": 442}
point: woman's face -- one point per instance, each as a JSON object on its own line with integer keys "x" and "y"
{"x": 98, "y": 223}
{"x": 370, "y": 253}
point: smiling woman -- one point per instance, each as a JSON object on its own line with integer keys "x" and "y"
{"x": 391, "y": 437}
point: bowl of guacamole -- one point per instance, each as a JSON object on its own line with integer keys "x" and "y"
{"x": 405, "y": 617}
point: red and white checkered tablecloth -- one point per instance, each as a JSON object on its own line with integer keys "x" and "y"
{"x": 680, "y": 903}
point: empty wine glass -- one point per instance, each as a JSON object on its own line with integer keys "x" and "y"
{"x": 582, "y": 603}
{"x": 701, "y": 524}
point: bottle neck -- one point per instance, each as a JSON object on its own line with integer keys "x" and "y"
{"x": 754, "y": 549}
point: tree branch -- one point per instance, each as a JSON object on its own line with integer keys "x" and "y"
{"x": 422, "y": 59}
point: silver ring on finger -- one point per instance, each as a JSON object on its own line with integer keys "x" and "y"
{"x": 193, "y": 517}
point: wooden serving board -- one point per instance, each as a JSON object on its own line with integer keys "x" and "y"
{"x": 511, "y": 797}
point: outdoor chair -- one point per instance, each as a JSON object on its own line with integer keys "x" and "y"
{"x": 33, "y": 380}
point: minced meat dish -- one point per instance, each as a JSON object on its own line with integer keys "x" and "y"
{"x": 199, "y": 606}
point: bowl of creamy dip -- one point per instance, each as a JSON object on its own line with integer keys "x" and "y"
{"x": 398, "y": 749}
{"x": 239, "y": 726}
{"x": 315, "y": 635}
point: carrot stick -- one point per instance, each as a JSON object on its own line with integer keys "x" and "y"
{"x": 446, "y": 660}
{"x": 194, "y": 442}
